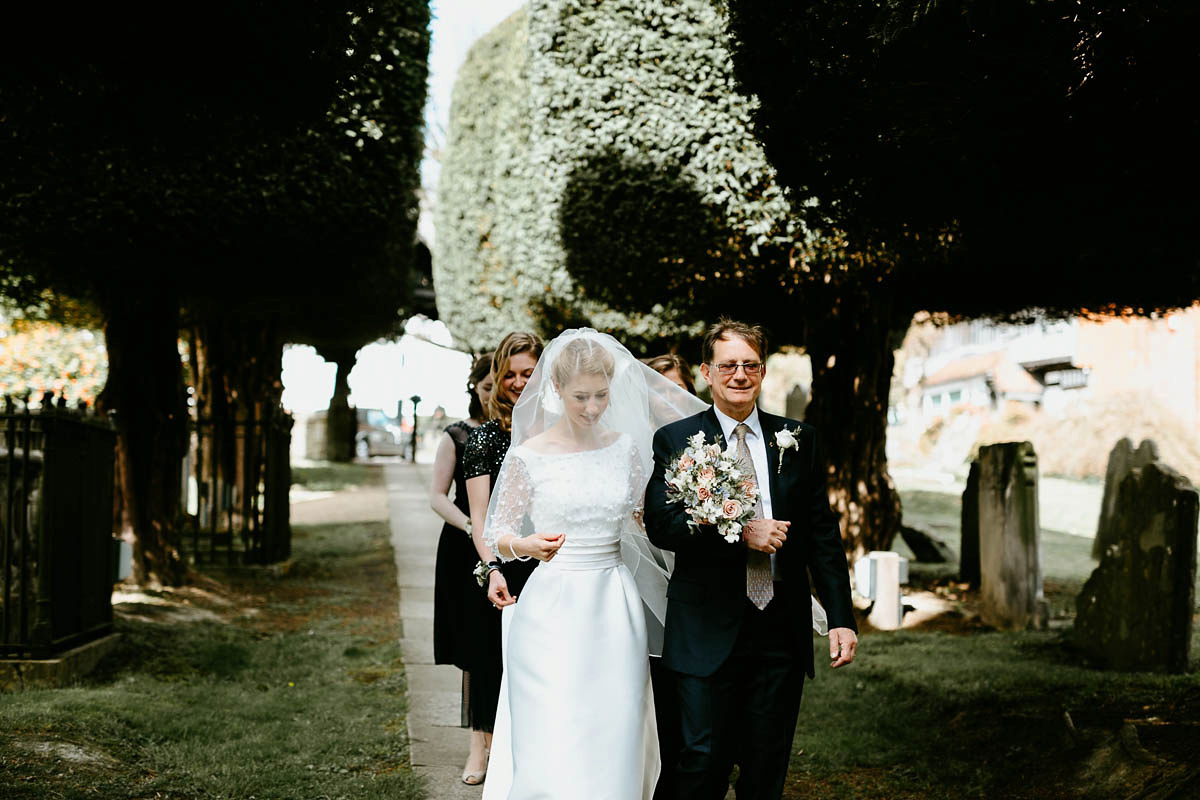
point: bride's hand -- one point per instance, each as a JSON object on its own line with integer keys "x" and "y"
{"x": 498, "y": 590}
{"x": 542, "y": 546}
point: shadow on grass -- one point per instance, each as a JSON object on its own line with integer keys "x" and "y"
{"x": 292, "y": 686}
{"x": 935, "y": 715}
{"x": 955, "y": 709}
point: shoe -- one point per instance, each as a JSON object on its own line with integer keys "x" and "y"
{"x": 476, "y": 778}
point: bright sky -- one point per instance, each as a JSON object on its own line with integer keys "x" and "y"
{"x": 387, "y": 372}
{"x": 456, "y": 26}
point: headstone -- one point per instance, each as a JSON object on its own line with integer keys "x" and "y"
{"x": 1010, "y": 573}
{"x": 968, "y": 551}
{"x": 1121, "y": 460}
{"x": 877, "y": 576}
{"x": 1135, "y": 611}
{"x": 797, "y": 402}
{"x": 925, "y": 547}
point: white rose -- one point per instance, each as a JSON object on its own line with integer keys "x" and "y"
{"x": 786, "y": 439}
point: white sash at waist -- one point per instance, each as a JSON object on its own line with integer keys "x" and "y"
{"x": 583, "y": 556}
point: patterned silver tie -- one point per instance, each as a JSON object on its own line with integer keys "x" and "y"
{"x": 759, "y": 587}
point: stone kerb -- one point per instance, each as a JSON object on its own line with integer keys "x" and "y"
{"x": 1135, "y": 611}
{"x": 1010, "y": 575}
{"x": 1121, "y": 460}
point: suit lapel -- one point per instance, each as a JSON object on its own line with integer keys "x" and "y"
{"x": 711, "y": 427}
{"x": 770, "y": 425}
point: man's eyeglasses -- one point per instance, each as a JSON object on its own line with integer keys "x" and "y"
{"x": 730, "y": 367}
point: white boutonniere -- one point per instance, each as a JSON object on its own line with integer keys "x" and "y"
{"x": 785, "y": 440}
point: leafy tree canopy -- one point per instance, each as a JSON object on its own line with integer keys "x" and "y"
{"x": 225, "y": 156}
{"x": 1046, "y": 145}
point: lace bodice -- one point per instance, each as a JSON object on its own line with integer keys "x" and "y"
{"x": 588, "y": 495}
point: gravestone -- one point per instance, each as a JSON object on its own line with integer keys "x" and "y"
{"x": 1010, "y": 574}
{"x": 877, "y": 576}
{"x": 797, "y": 402}
{"x": 1121, "y": 460}
{"x": 968, "y": 550}
{"x": 1135, "y": 611}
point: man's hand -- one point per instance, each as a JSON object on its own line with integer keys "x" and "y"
{"x": 842, "y": 644}
{"x": 765, "y": 535}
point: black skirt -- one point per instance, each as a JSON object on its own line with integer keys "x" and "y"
{"x": 466, "y": 626}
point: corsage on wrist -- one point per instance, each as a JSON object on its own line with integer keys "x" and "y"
{"x": 484, "y": 571}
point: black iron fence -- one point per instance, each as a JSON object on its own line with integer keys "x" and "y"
{"x": 56, "y": 510}
{"x": 236, "y": 478}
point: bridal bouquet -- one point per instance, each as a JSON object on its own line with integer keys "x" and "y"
{"x": 712, "y": 487}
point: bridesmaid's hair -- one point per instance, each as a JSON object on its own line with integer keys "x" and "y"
{"x": 500, "y": 405}
{"x": 482, "y": 368}
{"x": 725, "y": 327}
{"x": 581, "y": 357}
{"x": 664, "y": 364}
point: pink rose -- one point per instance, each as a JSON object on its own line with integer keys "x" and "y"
{"x": 703, "y": 494}
{"x": 686, "y": 462}
{"x": 707, "y": 474}
{"x": 732, "y": 509}
{"x": 748, "y": 486}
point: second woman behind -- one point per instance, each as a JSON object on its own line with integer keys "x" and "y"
{"x": 512, "y": 364}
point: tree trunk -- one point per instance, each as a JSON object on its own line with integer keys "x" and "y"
{"x": 341, "y": 422}
{"x": 852, "y": 353}
{"x": 145, "y": 389}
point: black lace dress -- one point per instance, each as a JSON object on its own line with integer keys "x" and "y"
{"x": 461, "y": 612}
{"x": 483, "y": 454}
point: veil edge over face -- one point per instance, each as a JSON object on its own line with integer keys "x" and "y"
{"x": 640, "y": 401}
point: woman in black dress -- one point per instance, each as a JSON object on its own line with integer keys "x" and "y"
{"x": 512, "y": 364}
{"x": 461, "y": 614}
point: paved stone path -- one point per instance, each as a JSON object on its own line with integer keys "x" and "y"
{"x": 438, "y": 745}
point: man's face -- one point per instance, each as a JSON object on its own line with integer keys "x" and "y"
{"x": 734, "y": 394}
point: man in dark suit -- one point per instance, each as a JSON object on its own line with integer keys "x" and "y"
{"x": 739, "y": 616}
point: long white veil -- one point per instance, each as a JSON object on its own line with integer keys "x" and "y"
{"x": 640, "y": 402}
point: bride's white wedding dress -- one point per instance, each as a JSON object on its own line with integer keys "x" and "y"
{"x": 576, "y": 716}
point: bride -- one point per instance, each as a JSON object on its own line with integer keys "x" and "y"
{"x": 576, "y": 716}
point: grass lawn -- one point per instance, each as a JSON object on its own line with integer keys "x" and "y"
{"x": 245, "y": 685}
{"x": 328, "y": 476}
{"x": 957, "y": 710}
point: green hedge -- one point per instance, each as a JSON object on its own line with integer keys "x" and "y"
{"x": 601, "y": 169}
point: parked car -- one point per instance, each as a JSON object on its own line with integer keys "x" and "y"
{"x": 380, "y": 435}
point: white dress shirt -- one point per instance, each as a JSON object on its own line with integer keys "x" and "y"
{"x": 757, "y": 445}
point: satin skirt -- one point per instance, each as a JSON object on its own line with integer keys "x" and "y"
{"x": 576, "y": 713}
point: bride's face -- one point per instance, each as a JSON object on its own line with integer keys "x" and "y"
{"x": 585, "y": 397}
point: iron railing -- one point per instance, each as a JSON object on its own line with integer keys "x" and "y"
{"x": 56, "y": 544}
{"x": 236, "y": 477}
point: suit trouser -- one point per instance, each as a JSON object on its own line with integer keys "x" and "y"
{"x": 666, "y": 713}
{"x": 744, "y": 713}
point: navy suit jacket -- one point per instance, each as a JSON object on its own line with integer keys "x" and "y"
{"x": 707, "y": 592}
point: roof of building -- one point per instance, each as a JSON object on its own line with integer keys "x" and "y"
{"x": 1006, "y": 376}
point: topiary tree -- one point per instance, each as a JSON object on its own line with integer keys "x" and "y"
{"x": 599, "y": 170}
{"x": 268, "y": 141}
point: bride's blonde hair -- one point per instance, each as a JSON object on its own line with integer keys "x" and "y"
{"x": 581, "y": 357}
